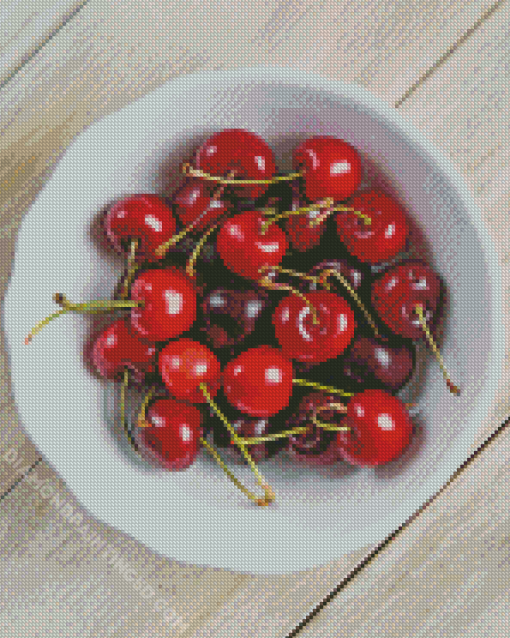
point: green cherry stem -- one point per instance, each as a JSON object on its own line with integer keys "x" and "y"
{"x": 340, "y": 407}
{"x": 190, "y": 266}
{"x": 423, "y": 324}
{"x": 89, "y": 307}
{"x": 324, "y": 388}
{"x": 322, "y": 280}
{"x": 187, "y": 169}
{"x": 132, "y": 267}
{"x": 269, "y": 494}
{"x": 123, "y": 420}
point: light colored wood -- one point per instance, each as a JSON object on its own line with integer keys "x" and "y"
{"x": 25, "y": 26}
{"x": 447, "y": 574}
{"x": 103, "y": 59}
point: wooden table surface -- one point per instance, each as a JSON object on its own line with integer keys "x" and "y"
{"x": 445, "y": 64}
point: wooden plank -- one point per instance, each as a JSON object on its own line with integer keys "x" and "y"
{"x": 447, "y": 574}
{"x": 26, "y": 26}
{"x": 103, "y": 59}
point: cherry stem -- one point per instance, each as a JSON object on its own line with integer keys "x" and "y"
{"x": 132, "y": 267}
{"x": 325, "y": 388}
{"x": 423, "y": 323}
{"x": 322, "y": 280}
{"x": 327, "y": 203}
{"x": 141, "y": 421}
{"x": 89, "y": 307}
{"x": 269, "y": 494}
{"x": 187, "y": 169}
{"x": 272, "y": 285}
{"x": 125, "y": 425}
{"x": 260, "y": 479}
{"x": 190, "y": 266}
{"x": 340, "y": 407}
{"x": 272, "y": 437}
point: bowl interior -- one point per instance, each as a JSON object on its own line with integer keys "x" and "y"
{"x": 198, "y": 515}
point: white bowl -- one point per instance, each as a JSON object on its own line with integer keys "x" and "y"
{"x": 199, "y": 516}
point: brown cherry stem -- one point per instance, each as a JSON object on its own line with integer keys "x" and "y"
{"x": 89, "y": 307}
{"x": 423, "y": 324}
{"x": 322, "y": 280}
{"x": 132, "y": 267}
{"x": 272, "y": 285}
{"x": 141, "y": 421}
{"x": 269, "y": 494}
{"x": 188, "y": 169}
{"x": 190, "y": 266}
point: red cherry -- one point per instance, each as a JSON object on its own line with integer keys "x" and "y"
{"x": 331, "y": 168}
{"x": 117, "y": 347}
{"x": 302, "y": 236}
{"x": 243, "y": 152}
{"x": 381, "y": 429}
{"x": 173, "y": 436}
{"x": 170, "y": 304}
{"x": 195, "y": 200}
{"x": 258, "y": 382}
{"x": 398, "y": 289}
{"x": 245, "y": 248}
{"x": 384, "y": 237}
{"x": 143, "y": 217}
{"x": 304, "y": 341}
{"x": 185, "y": 364}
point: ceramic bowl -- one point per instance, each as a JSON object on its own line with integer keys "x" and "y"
{"x": 198, "y": 516}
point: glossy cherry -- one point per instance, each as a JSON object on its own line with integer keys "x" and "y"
{"x": 384, "y": 237}
{"x": 144, "y": 217}
{"x": 184, "y": 364}
{"x": 231, "y": 315}
{"x": 315, "y": 446}
{"x": 381, "y": 429}
{"x": 172, "y": 435}
{"x": 396, "y": 292}
{"x": 304, "y": 341}
{"x": 240, "y": 151}
{"x": 258, "y": 382}
{"x": 331, "y": 168}
{"x": 116, "y": 347}
{"x": 195, "y": 201}
{"x": 370, "y": 361}
{"x": 301, "y": 235}
{"x": 170, "y": 303}
{"x": 245, "y": 248}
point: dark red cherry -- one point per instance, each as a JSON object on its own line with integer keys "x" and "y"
{"x": 331, "y": 168}
{"x": 381, "y": 429}
{"x": 184, "y": 364}
{"x": 241, "y": 151}
{"x": 370, "y": 361}
{"x": 230, "y": 315}
{"x": 352, "y": 274}
{"x": 396, "y": 292}
{"x": 384, "y": 237}
{"x": 247, "y": 427}
{"x": 304, "y": 341}
{"x": 194, "y": 200}
{"x": 170, "y": 300}
{"x": 173, "y": 436}
{"x": 258, "y": 382}
{"x": 144, "y": 217}
{"x": 116, "y": 347}
{"x": 301, "y": 235}
{"x": 245, "y": 248}
{"x": 315, "y": 446}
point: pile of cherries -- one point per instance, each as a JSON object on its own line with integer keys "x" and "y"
{"x": 249, "y": 309}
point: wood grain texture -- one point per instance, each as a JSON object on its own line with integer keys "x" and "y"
{"x": 447, "y": 574}
{"x": 26, "y": 26}
{"x": 103, "y": 59}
